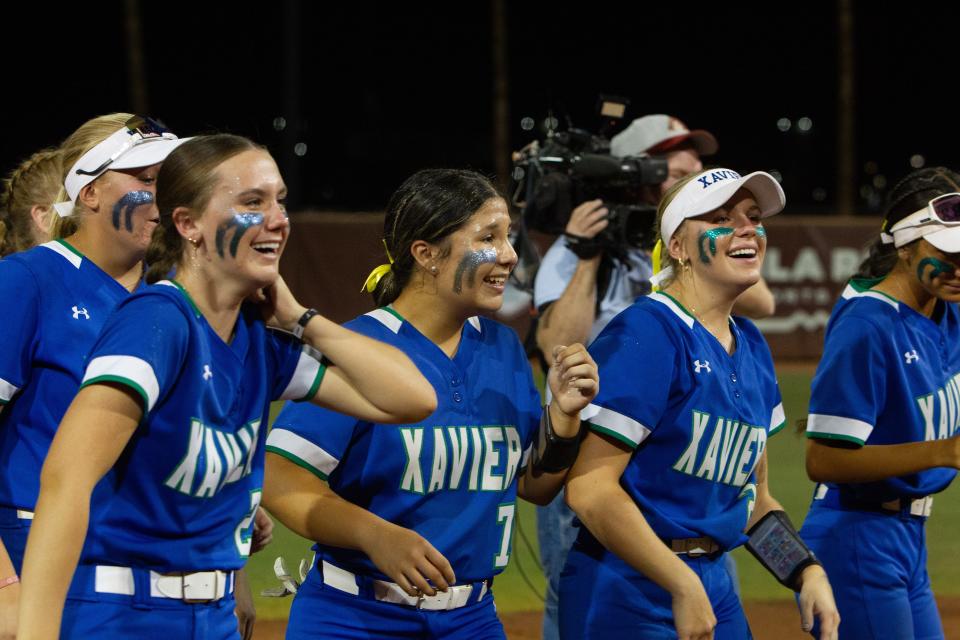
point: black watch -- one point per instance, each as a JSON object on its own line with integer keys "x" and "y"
{"x": 301, "y": 325}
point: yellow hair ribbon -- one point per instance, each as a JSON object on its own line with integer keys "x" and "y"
{"x": 657, "y": 266}
{"x": 374, "y": 278}
{"x": 377, "y": 274}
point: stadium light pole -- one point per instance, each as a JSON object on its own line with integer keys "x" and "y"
{"x": 846, "y": 124}
{"x": 293, "y": 133}
{"x": 136, "y": 67}
{"x": 501, "y": 94}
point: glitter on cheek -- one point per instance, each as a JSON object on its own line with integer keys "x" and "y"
{"x": 469, "y": 265}
{"x": 761, "y": 232}
{"x": 241, "y": 223}
{"x": 127, "y": 205}
{"x": 937, "y": 268}
{"x": 711, "y": 235}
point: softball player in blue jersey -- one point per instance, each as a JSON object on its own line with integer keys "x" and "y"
{"x": 673, "y": 468}
{"x": 413, "y": 522}
{"x": 884, "y": 411}
{"x": 164, "y": 440}
{"x": 64, "y": 291}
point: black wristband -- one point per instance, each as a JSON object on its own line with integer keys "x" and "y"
{"x": 583, "y": 248}
{"x": 776, "y": 544}
{"x": 301, "y": 325}
{"x": 552, "y": 453}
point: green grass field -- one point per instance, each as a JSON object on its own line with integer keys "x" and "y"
{"x": 788, "y": 483}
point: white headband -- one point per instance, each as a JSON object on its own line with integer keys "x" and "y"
{"x": 125, "y": 148}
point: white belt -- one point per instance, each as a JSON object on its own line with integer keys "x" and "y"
{"x": 918, "y": 507}
{"x": 24, "y": 515}
{"x": 200, "y": 586}
{"x": 453, "y": 598}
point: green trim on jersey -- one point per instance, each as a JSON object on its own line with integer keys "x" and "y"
{"x": 193, "y": 305}
{"x": 865, "y": 285}
{"x": 121, "y": 380}
{"x": 316, "y": 384}
{"x": 817, "y": 435}
{"x": 300, "y": 462}
{"x": 778, "y": 428}
{"x": 679, "y": 306}
{"x": 394, "y": 313}
{"x": 70, "y": 248}
{"x": 613, "y": 434}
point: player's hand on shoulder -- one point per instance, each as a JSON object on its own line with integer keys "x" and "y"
{"x": 816, "y": 601}
{"x": 409, "y": 560}
{"x": 573, "y": 377}
{"x": 692, "y": 612}
{"x": 278, "y": 305}
{"x": 587, "y": 219}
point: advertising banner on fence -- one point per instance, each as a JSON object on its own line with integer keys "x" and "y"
{"x": 808, "y": 260}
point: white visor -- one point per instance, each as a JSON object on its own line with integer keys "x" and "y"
{"x": 920, "y": 224}
{"x": 711, "y": 189}
{"x": 123, "y": 149}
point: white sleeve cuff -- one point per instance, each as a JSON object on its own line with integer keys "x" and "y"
{"x": 127, "y": 370}
{"x": 301, "y": 452}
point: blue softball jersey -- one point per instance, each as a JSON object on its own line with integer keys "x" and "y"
{"x": 58, "y": 303}
{"x": 182, "y": 496}
{"x": 888, "y": 375}
{"x": 451, "y": 477}
{"x": 696, "y": 417}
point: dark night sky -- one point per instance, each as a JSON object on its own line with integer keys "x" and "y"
{"x": 384, "y": 89}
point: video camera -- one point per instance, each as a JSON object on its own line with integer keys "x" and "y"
{"x": 573, "y": 166}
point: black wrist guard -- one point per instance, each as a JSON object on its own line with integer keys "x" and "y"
{"x": 584, "y": 248}
{"x": 776, "y": 544}
{"x": 552, "y": 453}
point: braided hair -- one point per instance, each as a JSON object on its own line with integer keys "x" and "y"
{"x": 34, "y": 183}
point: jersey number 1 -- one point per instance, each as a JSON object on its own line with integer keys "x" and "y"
{"x": 505, "y": 514}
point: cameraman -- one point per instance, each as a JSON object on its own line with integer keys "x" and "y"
{"x": 578, "y": 290}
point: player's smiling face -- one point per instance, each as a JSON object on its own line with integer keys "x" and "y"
{"x": 128, "y": 205}
{"x": 727, "y": 245}
{"x": 245, "y": 226}
{"x": 474, "y": 275}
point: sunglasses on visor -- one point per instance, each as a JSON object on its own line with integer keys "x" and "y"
{"x": 140, "y": 129}
{"x": 945, "y": 208}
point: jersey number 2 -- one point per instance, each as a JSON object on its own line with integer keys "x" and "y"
{"x": 505, "y": 514}
{"x": 243, "y": 536}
